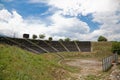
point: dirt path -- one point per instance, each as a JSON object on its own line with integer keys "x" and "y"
{"x": 87, "y": 67}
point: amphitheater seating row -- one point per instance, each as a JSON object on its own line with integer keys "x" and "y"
{"x": 21, "y": 43}
{"x": 42, "y": 46}
{"x": 29, "y": 45}
{"x": 70, "y": 46}
{"x": 84, "y": 46}
{"x": 57, "y": 45}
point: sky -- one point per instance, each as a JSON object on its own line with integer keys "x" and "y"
{"x": 83, "y": 20}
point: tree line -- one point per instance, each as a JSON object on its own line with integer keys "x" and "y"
{"x": 42, "y": 36}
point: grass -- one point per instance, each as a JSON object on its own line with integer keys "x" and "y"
{"x": 92, "y": 77}
{"x": 18, "y": 64}
{"x": 102, "y": 48}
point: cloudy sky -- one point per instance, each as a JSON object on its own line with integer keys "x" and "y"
{"x": 76, "y": 19}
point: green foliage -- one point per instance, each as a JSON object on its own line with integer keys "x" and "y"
{"x": 60, "y": 40}
{"x": 42, "y": 36}
{"x": 116, "y": 47}
{"x": 92, "y": 77}
{"x": 67, "y": 39}
{"x": 102, "y": 38}
{"x": 34, "y": 36}
{"x": 50, "y": 38}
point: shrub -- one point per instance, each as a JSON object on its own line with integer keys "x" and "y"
{"x": 60, "y": 40}
{"x": 102, "y": 38}
{"x": 41, "y": 36}
{"x": 50, "y": 38}
{"x": 34, "y": 36}
{"x": 67, "y": 39}
{"x": 116, "y": 47}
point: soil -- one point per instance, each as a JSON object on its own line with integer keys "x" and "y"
{"x": 87, "y": 67}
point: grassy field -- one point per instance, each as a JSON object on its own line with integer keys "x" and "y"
{"x": 18, "y": 64}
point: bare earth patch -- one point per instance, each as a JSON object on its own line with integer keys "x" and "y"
{"x": 87, "y": 67}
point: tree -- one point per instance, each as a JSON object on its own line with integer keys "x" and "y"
{"x": 76, "y": 40}
{"x": 34, "y": 36}
{"x": 60, "y": 40}
{"x": 41, "y": 36}
{"x": 116, "y": 47}
{"x": 102, "y": 38}
{"x": 67, "y": 39}
{"x": 50, "y": 38}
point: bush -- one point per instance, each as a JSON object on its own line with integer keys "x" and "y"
{"x": 102, "y": 38}
{"x": 67, "y": 40}
{"x": 60, "y": 40}
{"x": 50, "y": 38}
{"x": 116, "y": 47}
{"x": 34, "y": 36}
{"x": 41, "y": 36}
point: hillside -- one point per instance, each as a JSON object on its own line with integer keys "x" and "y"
{"x": 18, "y": 64}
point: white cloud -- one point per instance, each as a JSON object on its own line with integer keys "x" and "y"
{"x": 67, "y": 27}
{"x": 5, "y": 15}
{"x": 105, "y": 12}
{"x": 110, "y": 24}
{"x": 60, "y": 27}
{"x": 69, "y": 24}
{"x": 84, "y": 7}
{"x": 10, "y": 22}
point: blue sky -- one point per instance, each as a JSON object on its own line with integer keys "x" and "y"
{"x": 82, "y": 20}
{"x": 26, "y": 9}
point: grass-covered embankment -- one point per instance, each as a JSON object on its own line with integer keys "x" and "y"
{"x": 18, "y": 64}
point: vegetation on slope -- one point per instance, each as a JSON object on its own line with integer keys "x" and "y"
{"x": 102, "y": 49}
{"x": 18, "y": 64}
{"x": 116, "y": 47}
